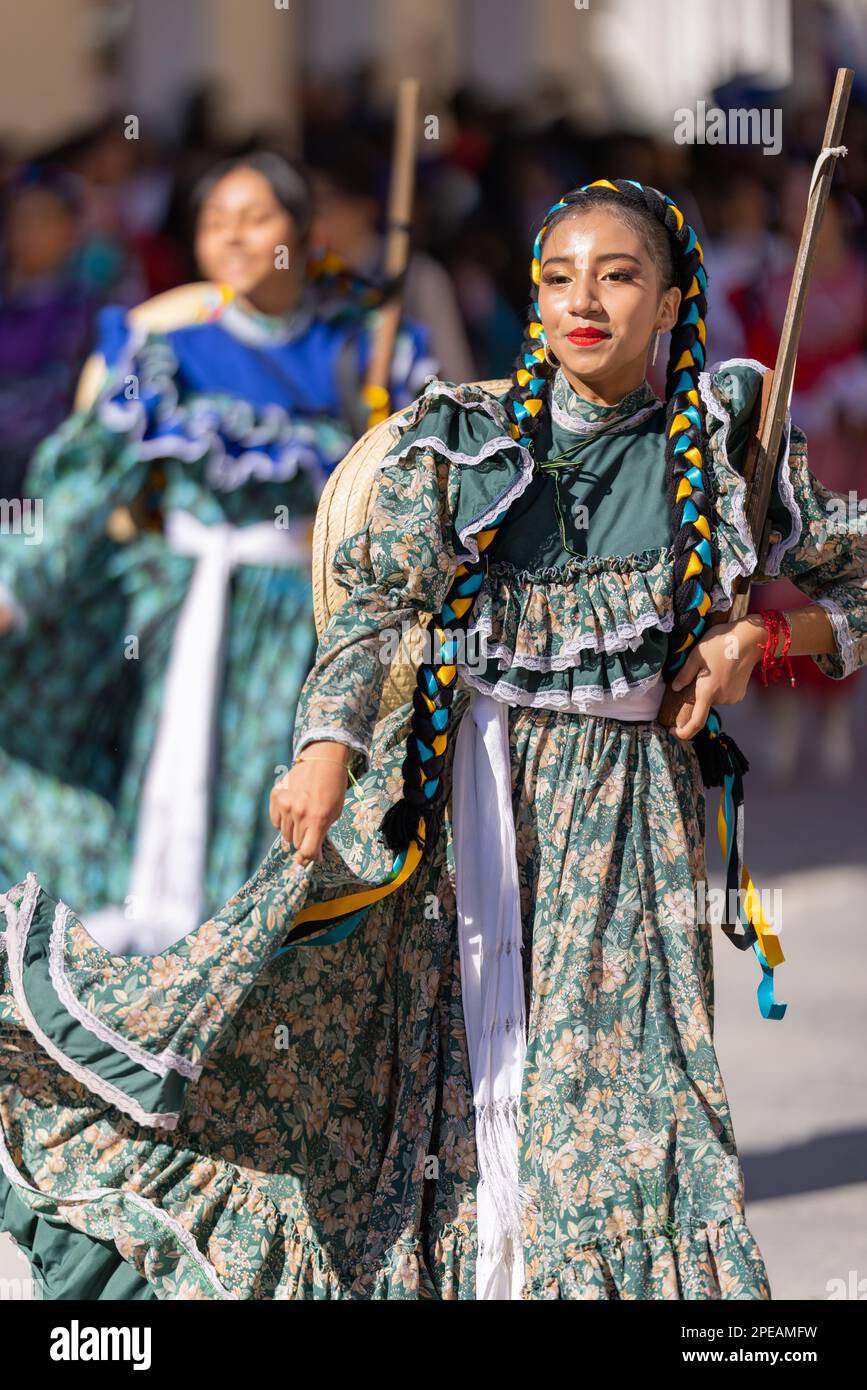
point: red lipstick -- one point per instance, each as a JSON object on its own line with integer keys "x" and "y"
{"x": 586, "y": 337}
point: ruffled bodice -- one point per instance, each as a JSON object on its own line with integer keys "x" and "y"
{"x": 547, "y": 619}
{"x": 566, "y": 636}
{"x": 576, "y": 603}
{"x": 576, "y": 600}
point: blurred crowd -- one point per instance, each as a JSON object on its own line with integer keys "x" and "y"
{"x": 104, "y": 218}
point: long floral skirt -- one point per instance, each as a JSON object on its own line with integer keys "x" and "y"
{"x": 213, "y": 1122}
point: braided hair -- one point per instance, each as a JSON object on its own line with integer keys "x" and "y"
{"x": 678, "y": 254}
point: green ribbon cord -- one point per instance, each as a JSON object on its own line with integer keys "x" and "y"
{"x": 360, "y": 796}
{"x": 566, "y": 460}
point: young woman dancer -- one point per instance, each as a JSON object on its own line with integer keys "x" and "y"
{"x": 485, "y": 1068}
{"x": 150, "y": 675}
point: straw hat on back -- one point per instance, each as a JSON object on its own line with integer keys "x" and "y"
{"x": 344, "y": 508}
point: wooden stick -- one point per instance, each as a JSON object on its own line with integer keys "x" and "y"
{"x": 767, "y": 425}
{"x": 397, "y": 245}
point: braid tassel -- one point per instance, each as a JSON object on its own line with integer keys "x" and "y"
{"x": 726, "y": 767}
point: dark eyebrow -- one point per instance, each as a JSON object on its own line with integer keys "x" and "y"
{"x": 609, "y": 256}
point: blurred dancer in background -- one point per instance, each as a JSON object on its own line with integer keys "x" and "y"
{"x": 157, "y": 639}
{"x": 345, "y": 179}
{"x": 46, "y": 314}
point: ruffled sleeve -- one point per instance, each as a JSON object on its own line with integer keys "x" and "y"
{"x": 827, "y": 561}
{"x": 819, "y": 540}
{"x": 451, "y": 471}
{"x": 468, "y": 427}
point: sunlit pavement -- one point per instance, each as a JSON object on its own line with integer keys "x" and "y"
{"x": 796, "y": 1087}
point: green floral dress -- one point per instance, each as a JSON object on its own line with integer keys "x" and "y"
{"x": 219, "y": 1121}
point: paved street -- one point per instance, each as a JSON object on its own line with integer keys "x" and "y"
{"x": 796, "y": 1087}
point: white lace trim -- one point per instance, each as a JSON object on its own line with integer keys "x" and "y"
{"x": 737, "y": 568}
{"x": 575, "y": 425}
{"x": 324, "y": 734}
{"x": 84, "y": 1196}
{"x": 502, "y": 503}
{"x": 624, "y": 636}
{"x": 721, "y": 594}
{"x": 433, "y": 443}
{"x": 580, "y": 698}
{"x": 435, "y": 388}
{"x": 787, "y": 493}
{"x": 498, "y": 413}
{"x": 300, "y": 450}
{"x": 842, "y": 634}
{"x": 19, "y": 923}
{"x": 502, "y": 442}
{"x": 160, "y": 1064}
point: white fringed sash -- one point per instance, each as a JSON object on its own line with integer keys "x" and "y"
{"x": 492, "y": 984}
{"x": 492, "y": 976}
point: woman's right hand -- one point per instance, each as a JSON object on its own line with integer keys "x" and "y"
{"x": 310, "y": 796}
{"x": 7, "y": 620}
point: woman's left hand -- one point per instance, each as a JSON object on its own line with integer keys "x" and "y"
{"x": 721, "y": 664}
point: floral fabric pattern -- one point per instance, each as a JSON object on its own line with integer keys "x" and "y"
{"x": 821, "y": 546}
{"x": 306, "y": 1172}
{"x": 308, "y": 1125}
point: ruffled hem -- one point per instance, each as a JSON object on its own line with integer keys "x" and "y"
{"x": 543, "y": 620}
{"x": 189, "y": 1223}
{"x": 156, "y": 1248}
{"x": 712, "y": 1261}
{"x": 148, "y": 1085}
{"x": 406, "y": 1273}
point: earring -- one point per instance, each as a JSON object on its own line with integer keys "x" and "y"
{"x": 552, "y": 361}
{"x": 655, "y": 347}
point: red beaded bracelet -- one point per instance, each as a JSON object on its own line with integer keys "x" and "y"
{"x": 773, "y": 665}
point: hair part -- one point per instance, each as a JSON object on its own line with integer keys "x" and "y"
{"x": 639, "y": 220}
